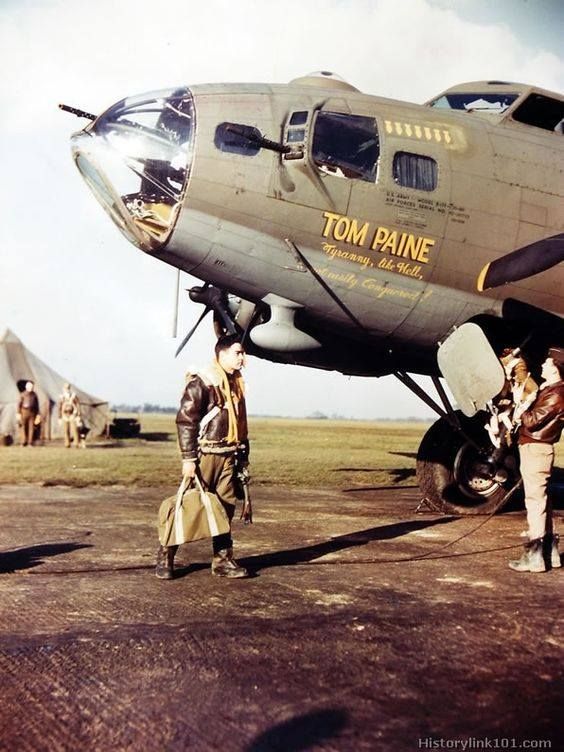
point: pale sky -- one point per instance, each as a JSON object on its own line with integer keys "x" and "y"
{"x": 97, "y": 309}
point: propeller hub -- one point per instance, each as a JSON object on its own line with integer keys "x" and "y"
{"x": 208, "y": 295}
{"x": 199, "y": 294}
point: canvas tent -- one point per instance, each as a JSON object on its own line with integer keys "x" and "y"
{"x": 18, "y": 365}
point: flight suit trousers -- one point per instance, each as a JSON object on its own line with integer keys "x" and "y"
{"x": 27, "y": 426}
{"x": 536, "y": 465}
{"x": 218, "y": 476}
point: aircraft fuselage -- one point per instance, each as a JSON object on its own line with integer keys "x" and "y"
{"x": 396, "y": 207}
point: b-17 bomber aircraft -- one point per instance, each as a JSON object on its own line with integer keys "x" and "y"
{"x": 350, "y": 232}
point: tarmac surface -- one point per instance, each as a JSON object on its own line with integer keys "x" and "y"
{"x": 343, "y": 639}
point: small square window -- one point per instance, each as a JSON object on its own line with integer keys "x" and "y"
{"x": 298, "y": 118}
{"x": 296, "y": 135}
{"x": 415, "y": 171}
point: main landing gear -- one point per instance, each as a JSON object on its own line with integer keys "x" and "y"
{"x": 459, "y": 471}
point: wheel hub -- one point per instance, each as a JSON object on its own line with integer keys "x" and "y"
{"x": 477, "y": 474}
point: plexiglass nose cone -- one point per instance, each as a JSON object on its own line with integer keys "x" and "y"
{"x": 136, "y": 159}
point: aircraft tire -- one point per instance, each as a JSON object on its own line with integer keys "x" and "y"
{"x": 450, "y": 471}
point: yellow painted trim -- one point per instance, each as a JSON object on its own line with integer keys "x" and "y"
{"x": 482, "y": 277}
{"x": 415, "y": 130}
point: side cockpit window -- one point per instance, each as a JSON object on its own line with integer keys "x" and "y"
{"x": 415, "y": 171}
{"x": 542, "y": 112}
{"x": 346, "y": 146}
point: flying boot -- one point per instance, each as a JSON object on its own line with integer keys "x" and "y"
{"x": 165, "y": 562}
{"x": 224, "y": 565}
{"x": 532, "y": 559}
{"x": 551, "y": 552}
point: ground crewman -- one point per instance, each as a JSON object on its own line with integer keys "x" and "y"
{"x": 541, "y": 428}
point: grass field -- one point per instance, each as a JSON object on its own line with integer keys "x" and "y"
{"x": 292, "y": 452}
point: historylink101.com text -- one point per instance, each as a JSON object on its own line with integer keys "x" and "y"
{"x": 472, "y": 743}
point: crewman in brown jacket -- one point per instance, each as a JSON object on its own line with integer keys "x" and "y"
{"x": 212, "y": 435}
{"x": 28, "y": 413}
{"x": 541, "y": 428}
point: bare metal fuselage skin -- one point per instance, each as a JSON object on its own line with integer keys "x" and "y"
{"x": 403, "y": 261}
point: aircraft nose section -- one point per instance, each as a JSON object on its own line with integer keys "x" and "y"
{"x": 136, "y": 159}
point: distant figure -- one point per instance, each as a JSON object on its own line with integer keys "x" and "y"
{"x": 28, "y": 413}
{"x": 69, "y": 414}
{"x": 541, "y": 428}
{"x": 212, "y": 435}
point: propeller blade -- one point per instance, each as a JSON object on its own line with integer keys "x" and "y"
{"x": 225, "y": 317}
{"x": 214, "y": 300}
{"x": 524, "y": 262}
{"x": 184, "y": 342}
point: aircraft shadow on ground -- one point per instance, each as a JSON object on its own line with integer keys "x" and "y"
{"x": 410, "y": 455}
{"x": 340, "y": 543}
{"x": 362, "y": 489}
{"x": 302, "y": 732}
{"x": 33, "y": 556}
{"x": 399, "y": 475}
{"x": 556, "y": 483}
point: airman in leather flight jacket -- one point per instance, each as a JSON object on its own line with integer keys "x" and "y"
{"x": 543, "y": 421}
{"x": 203, "y": 421}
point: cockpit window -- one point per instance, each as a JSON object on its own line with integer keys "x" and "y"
{"x": 346, "y": 146}
{"x": 475, "y": 102}
{"x": 542, "y": 112}
{"x": 136, "y": 158}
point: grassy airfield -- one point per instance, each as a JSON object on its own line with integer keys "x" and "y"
{"x": 284, "y": 451}
{"x": 307, "y": 453}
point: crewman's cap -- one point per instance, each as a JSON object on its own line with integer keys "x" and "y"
{"x": 557, "y": 355}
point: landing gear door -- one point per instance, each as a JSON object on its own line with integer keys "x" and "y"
{"x": 471, "y": 368}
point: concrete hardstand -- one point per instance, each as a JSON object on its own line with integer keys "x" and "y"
{"x": 361, "y": 629}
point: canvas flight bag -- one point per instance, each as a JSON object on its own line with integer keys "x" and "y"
{"x": 191, "y": 515}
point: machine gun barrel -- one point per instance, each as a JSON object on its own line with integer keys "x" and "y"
{"x": 78, "y": 113}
